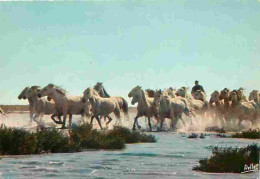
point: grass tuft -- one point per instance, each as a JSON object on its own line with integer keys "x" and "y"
{"x": 131, "y": 136}
{"x": 215, "y": 129}
{"x": 16, "y": 141}
{"x": 229, "y": 160}
{"x": 249, "y": 134}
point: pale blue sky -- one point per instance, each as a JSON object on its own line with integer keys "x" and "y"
{"x": 155, "y": 44}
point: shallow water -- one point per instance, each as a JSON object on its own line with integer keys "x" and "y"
{"x": 173, "y": 156}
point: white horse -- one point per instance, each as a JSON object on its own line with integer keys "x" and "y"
{"x": 144, "y": 107}
{"x": 195, "y": 105}
{"x": 101, "y": 106}
{"x": 40, "y": 105}
{"x": 65, "y": 105}
{"x": 255, "y": 96}
{"x": 31, "y": 107}
{"x": 216, "y": 106}
{"x": 103, "y": 93}
{"x": 172, "y": 108}
{"x": 243, "y": 110}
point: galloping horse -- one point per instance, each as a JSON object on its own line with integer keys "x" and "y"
{"x": 144, "y": 107}
{"x": 65, "y": 105}
{"x": 101, "y": 106}
{"x": 121, "y": 101}
{"x": 171, "y": 108}
{"x": 40, "y": 105}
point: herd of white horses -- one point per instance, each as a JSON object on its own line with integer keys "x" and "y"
{"x": 170, "y": 103}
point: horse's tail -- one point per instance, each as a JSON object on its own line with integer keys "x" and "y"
{"x": 125, "y": 106}
{"x": 117, "y": 112}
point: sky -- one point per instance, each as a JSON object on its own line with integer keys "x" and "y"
{"x": 154, "y": 44}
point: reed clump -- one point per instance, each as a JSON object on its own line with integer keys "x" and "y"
{"x": 230, "y": 160}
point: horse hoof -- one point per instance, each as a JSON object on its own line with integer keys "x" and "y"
{"x": 139, "y": 127}
{"x": 63, "y": 127}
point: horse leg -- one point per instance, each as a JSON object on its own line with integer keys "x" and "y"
{"x": 91, "y": 121}
{"x": 138, "y": 125}
{"x": 149, "y": 123}
{"x": 109, "y": 120}
{"x": 70, "y": 120}
{"x": 42, "y": 125}
{"x": 31, "y": 116}
{"x": 135, "y": 122}
{"x": 64, "y": 121}
{"x": 54, "y": 120}
{"x": 161, "y": 123}
{"x": 174, "y": 123}
{"x": 99, "y": 122}
{"x": 34, "y": 118}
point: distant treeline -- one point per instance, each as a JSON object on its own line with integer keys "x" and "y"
{"x": 12, "y": 108}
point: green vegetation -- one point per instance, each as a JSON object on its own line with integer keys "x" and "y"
{"x": 215, "y": 129}
{"x": 84, "y": 137}
{"x": 15, "y": 141}
{"x": 131, "y": 136}
{"x": 230, "y": 160}
{"x": 250, "y": 134}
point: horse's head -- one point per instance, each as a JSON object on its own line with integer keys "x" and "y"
{"x": 233, "y": 96}
{"x": 98, "y": 87}
{"x": 214, "y": 97}
{"x": 47, "y": 90}
{"x": 22, "y": 94}
{"x": 150, "y": 93}
{"x": 157, "y": 98}
{"x": 169, "y": 92}
{"x": 241, "y": 95}
{"x": 224, "y": 94}
{"x": 33, "y": 91}
{"x": 88, "y": 93}
{"x": 136, "y": 94}
{"x": 181, "y": 92}
{"x": 254, "y": 95}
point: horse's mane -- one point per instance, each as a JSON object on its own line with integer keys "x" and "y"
{"x": 58, "y": 89}
{"x": 225, "y": 89}
{"x": 99, "y": 84}
{"x": 105, "y": 92}
{"x": 36, "y": 87}
{"x": 95, "y": 91}
{"x": 150, "y": 93}
{"x": 143, "y": 95}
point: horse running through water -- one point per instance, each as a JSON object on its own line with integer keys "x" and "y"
{"x": 101, "y": 106}
{"x": 65, "y": 105}
{"x": 40, "y": 105}
{"x": 171, "y": 108}
{"x": 144, "y": 106}
{"x": 243, "y": 110}
{"x": 194, "y": 105}
{"x": 103, "y": 93}
{"x": 31, "y": 108}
